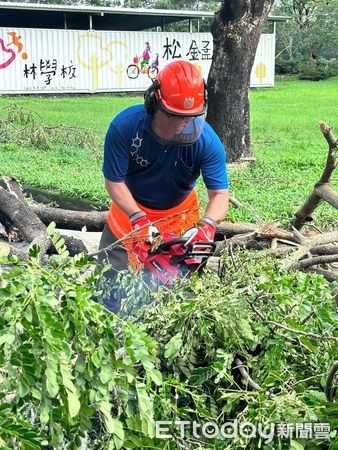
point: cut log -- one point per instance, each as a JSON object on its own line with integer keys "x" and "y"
{"x": 21, "y": 215}
{"x": 15, "y": 211}
{"x": 72, "y": 220}
{"x": 31, "y": 227}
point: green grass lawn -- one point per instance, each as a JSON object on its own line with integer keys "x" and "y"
{"x": 287, "y": 143}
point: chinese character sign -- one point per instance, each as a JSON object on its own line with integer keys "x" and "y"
{"x": 33, "y": 60}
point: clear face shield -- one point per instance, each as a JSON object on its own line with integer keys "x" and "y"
{"x": 184, "y": 130}
{"x": 191, "y": 132}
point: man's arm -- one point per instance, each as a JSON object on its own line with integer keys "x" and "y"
{"x": 218, "y": 204}
{"x": 121, "y": 195}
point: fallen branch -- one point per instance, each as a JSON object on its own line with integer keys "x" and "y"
{"x": 303, "y": 333}
{"x": 327, "y": 259}
{"x": 285, "y": 327}
{"x": 230, "y": 229}
{"x": 325, "y": 238}
{"x": 14, "y": 188}
{"x": 31, "y": 227}
{"x": 235, "y": 202}
{"x": 330, "y": 249}
{"x": 321, "y": 191}
{"x": 72, "y": 220}
{"x": 21, "y": 215}
{"x": 242, "y": 368}
{"x": 34, "y": 231}
{"x": 330, "y": 387}
{"x": 326, "y": 193}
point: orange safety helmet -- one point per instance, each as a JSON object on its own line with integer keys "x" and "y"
{"x": 181, "y": 89}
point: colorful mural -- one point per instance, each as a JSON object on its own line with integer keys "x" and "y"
{"x": 7, "y": 53}
{"x": 65, "y": 60}
{"x": 144, "y": 65}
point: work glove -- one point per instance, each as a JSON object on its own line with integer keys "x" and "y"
{"x": 204, "y": 231}
{"x": 148, "y": 232}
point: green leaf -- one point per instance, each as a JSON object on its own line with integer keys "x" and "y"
{"x": 51, "y": 381}
{"x": 105, "y": 374}
{"x": 23, "y": 386}
{"x": 74, "y": 404}
{"x": 308, "y": 343}
{"x": 173, "y": 347}
{"x": 67, "y": 377}
{"x": 96, "y": 360}
{"x": 294, "y": 445}
{"x": 245, "y": 329}
{"x": 325, "y": 315}
{"x": 36, "y": 393}
{"x": 117, "y": 429}
{"x": 146, "y": 410}
{"x": 56, "y": 237}
{"x": 51, "y": 228}
{"x": 67, "y": 350}
{"x": 64, "y": 254}
{"x": 114, "y": 426}
{"x": 136, "y": 440}
{"x": 44, "y": 414}
{"x": 155, "y": 375}
{"x": 29, "y": 314}
{"x": 8, "y": 338}
{"x": 202, "y": 374}
{"x": 59, "y": 244}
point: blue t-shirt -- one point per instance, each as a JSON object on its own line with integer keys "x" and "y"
{"x": 160, "y": 175}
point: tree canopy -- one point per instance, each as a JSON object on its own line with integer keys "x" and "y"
{"x": 312, "y": 32}
{"x": 211, "y": 5}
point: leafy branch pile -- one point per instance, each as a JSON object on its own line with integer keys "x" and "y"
{"x": 282, "y": 326}
{"x": 22, "y": 126}
{"x": 73, "y": 375}
{"x": 65, "y": 377}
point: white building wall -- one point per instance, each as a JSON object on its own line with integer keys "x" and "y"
{"x": 59, "y": 61}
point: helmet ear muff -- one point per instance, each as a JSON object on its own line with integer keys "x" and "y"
{"x": 150, "y": 97}
{"x": 205, "y": 93}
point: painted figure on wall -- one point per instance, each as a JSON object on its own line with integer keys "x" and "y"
{"x": 145, "y": 55}
{"x": 143, "y": 64}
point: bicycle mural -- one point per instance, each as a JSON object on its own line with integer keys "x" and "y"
{"x": 143, "y": 64}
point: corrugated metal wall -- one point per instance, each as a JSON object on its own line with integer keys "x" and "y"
{"x": 33, "y": 60}
{"x": 263, "y": 70}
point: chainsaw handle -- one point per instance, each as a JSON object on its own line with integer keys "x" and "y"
{"x": 166, "y": 246}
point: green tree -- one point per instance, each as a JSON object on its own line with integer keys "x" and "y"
{"x": 312, "y": 32}
{"x": 74, "y": 2}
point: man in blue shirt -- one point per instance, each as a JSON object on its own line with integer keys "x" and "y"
{"x": 153, "y": 155}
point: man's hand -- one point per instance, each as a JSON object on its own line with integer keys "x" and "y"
{"x": 148, "y": 232}
{"x": 204, "y": 231}
{"x": 140, "y": 221}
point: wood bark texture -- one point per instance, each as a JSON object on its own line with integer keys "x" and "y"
{"x": 322, "y": 191}
{"x": 236, "y": 31}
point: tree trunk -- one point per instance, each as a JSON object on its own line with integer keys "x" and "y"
{"x": 236, "y": 30}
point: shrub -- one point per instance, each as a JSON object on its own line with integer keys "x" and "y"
{"x": 283, "y": 67}
{"x": 318, "y": 70}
